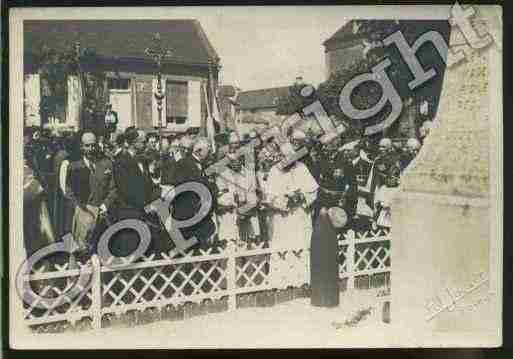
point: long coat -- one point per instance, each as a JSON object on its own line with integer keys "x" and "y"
{"x": 134, "y": 186}
{"x": 63, "y": 208}
{"x": 135, "y": 190}
{"x": 187, "y": 204}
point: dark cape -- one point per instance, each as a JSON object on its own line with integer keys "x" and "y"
{"x": 324, "y": 277}
{"x": 63, "y": 207}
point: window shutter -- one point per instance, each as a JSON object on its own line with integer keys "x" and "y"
{"x": 73, "y": 102}
{"x": 155, "y": 113}
{"x": 177, "y": 99}
{"x": 32, "y": 99}
{"x": 194, "y": 108}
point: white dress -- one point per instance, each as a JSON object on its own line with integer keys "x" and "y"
{"x": 292, "y": 232}
{"x": 234, "y": 184}
{"x": 385, "y": 196}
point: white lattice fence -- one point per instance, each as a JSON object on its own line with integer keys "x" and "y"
{"x": 51, "y": 285}
{"x": 222, "y": 271}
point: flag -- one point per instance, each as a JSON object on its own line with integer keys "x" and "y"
{"x": 74, "y": 103}
{"x": 210, "y": 121}
{"x": 215, "y": 108}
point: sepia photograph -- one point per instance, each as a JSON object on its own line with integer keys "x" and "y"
{"x": 255, "y": 177}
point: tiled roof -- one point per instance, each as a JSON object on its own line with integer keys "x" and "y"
{"x": 122, "y": 38}
{"x": 349, "y": 30}
{"x": 263, "y": 98}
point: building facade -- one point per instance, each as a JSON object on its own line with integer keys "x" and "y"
{"x": 256, "y": 109}
{"x": 189, "y": 75}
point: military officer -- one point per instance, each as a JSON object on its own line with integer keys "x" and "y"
{"x": 337, "y": 182}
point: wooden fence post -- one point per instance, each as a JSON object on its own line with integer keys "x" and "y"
{"x": 96, "y": 291}
{"x": 350, "y": 259}
{"x": 231, "y": 276}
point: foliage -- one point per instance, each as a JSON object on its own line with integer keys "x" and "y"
{"x": 369, "y": 93}
{"x": 54, "y": 69}
{"x": 294, "y": 102}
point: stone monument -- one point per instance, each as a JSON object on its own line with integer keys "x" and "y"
{"x": 446, "y": 235}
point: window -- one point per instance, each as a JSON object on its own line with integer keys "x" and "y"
{"x": 177, "y": 102}
{"x": 115, "y": 83}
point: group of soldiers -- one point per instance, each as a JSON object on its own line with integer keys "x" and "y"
{"x": 82, "y": 183}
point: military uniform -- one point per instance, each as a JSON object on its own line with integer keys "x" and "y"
{"x": 337, "y": 184}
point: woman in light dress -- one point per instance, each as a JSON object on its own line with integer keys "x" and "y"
{"x": 383, "y": 200}
{"x": 289, "y": 193}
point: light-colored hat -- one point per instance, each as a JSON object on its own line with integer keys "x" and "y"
{"x": 338, "y": 217}
{"x": 413, "y": 143}
{"x": 427, "y": 124}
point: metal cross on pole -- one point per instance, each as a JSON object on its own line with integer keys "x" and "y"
{"x": 158, "y": 53}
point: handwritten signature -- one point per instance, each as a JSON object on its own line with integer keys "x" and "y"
{"x": 438, "y": 305}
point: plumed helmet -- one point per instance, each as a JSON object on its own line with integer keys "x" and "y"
{"x": 338, "y": 217}
{"x": 385, "y": 142}
{"x": 413, "y": 144}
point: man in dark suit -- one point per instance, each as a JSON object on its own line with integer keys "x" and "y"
{"x": 131, "y": 174}
{"x": 192, "y": 168}
{"x": 92, "y": 189}
{"x": 168, "y": 162}
{"x": 135, "y": 191}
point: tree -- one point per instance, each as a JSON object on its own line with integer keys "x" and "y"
{"x": 294, "y": 102}
{"x": 54, "y": 69}
{"x": 95, "y": 92}
{"x": 369, "y": 93}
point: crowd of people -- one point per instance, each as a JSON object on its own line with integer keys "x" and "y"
{"x": 80, "y": 183}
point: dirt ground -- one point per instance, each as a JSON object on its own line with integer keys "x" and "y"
{"x": 291, "y": 324}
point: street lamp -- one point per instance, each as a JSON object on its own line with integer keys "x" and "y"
{"x": 158, "y": 53}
